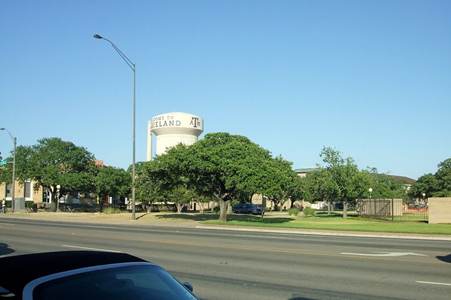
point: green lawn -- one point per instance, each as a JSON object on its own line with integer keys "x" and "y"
{"x": 334, "y": 222}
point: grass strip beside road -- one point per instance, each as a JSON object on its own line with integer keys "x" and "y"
{"x": 332, "y": 222}
{"x": 335, "y": 222}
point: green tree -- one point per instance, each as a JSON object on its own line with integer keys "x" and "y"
{"x": 297, "y": 190}
{"x": 163, "y": 180}
{"x": 350, "y": 182}
{"x": 280, "y": 183}
{"x": 434, "y": 185}
{"x": 52, "y": 162}
{"x": 426, "y": 184}
{"x": 321, "y": 186}
{"x": 23, "y": 155}
{"x": 181, "y": 196}
{"x": 443, "y": 176}
{"x": 110, "y": 181}
{"x": 146, "y": 186}
{"x": 225, "y": 167}
{"x": 385, "y": 186}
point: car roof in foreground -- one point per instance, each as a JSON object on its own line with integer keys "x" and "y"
{"x": 18, "y": 270}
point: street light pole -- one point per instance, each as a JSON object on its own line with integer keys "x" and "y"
{"x": 14, "y": 139}
{"x": 133, "y": 67}
{"x": 371, "y": 190}
{"x": 58, "y": 188}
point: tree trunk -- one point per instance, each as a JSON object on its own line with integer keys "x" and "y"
{"x": 345, "y": 209}
{"x": 179, "y": 207}
{"x": 223, "y": 210}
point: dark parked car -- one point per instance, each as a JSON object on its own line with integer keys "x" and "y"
{"x": 247, "y": 208}
{"x": 84, "y": 275}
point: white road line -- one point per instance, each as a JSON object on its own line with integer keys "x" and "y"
{"x": 86, "y": 248}
{"x": 383, "y": 254}
{"x": 265, "y": 236}
{"x": 437, "y": 283}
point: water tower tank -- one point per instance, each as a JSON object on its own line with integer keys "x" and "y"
{"x": 172, "y": 129}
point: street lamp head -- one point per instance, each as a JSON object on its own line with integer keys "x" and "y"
{"x": 98, "y": 36}
{"x": 2, "y": 128}
{"x": 370, "y": 190}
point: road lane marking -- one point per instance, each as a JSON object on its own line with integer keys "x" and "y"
{"x": 436, "y": 283}
{"x": 384, "y": 254}
{"x": 87, "y": 248}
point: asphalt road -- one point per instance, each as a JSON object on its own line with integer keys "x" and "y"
{"x": 231, "y": 264}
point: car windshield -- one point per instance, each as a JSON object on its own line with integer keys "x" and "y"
{"x": 131, "y": 282}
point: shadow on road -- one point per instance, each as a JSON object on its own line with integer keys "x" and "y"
{"x": 445, "y": 258}
{"x": 4, "y": 249}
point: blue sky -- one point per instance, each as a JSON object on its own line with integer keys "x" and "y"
{"x": 371, "y": 79}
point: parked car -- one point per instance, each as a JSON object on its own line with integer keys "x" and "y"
{"x": 84, "y": 275}
{"x": 247, "y": 208}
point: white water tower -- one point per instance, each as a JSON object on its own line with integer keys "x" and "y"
{"x": 172, "y": 129}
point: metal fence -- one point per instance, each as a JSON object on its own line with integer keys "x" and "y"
{"x": 392, "y": 210}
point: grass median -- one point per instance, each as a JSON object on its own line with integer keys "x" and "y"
{"x": 335, "y": 222}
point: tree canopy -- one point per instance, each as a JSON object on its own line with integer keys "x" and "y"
{"x": 281, "y": 185}
{"x": 111, "y": 181}
{"x": 350, "y": 183}
{"x": 434, "y": 185}
{"x": 221, "y": 166}
{"x": 52, "y": 162}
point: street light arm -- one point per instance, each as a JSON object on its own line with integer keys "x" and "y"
{"x": 124, "y": 57}
{"x": 12, "y": 137}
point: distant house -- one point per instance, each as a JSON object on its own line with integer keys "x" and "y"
{"x": 304, "y": 171}
{"x": 405, "y": 180}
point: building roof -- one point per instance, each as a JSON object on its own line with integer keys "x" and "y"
{"x": 404, "y": 179}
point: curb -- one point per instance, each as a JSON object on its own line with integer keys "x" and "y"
{"x": 331, "y": 233}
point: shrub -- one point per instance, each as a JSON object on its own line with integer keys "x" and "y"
{"x": 216, "y": 209}
{"x": 293, "y": 211}
{"x": 309, "y": 212}
{"x": 164, "y": 208}
{"x": 111, "y": 210}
